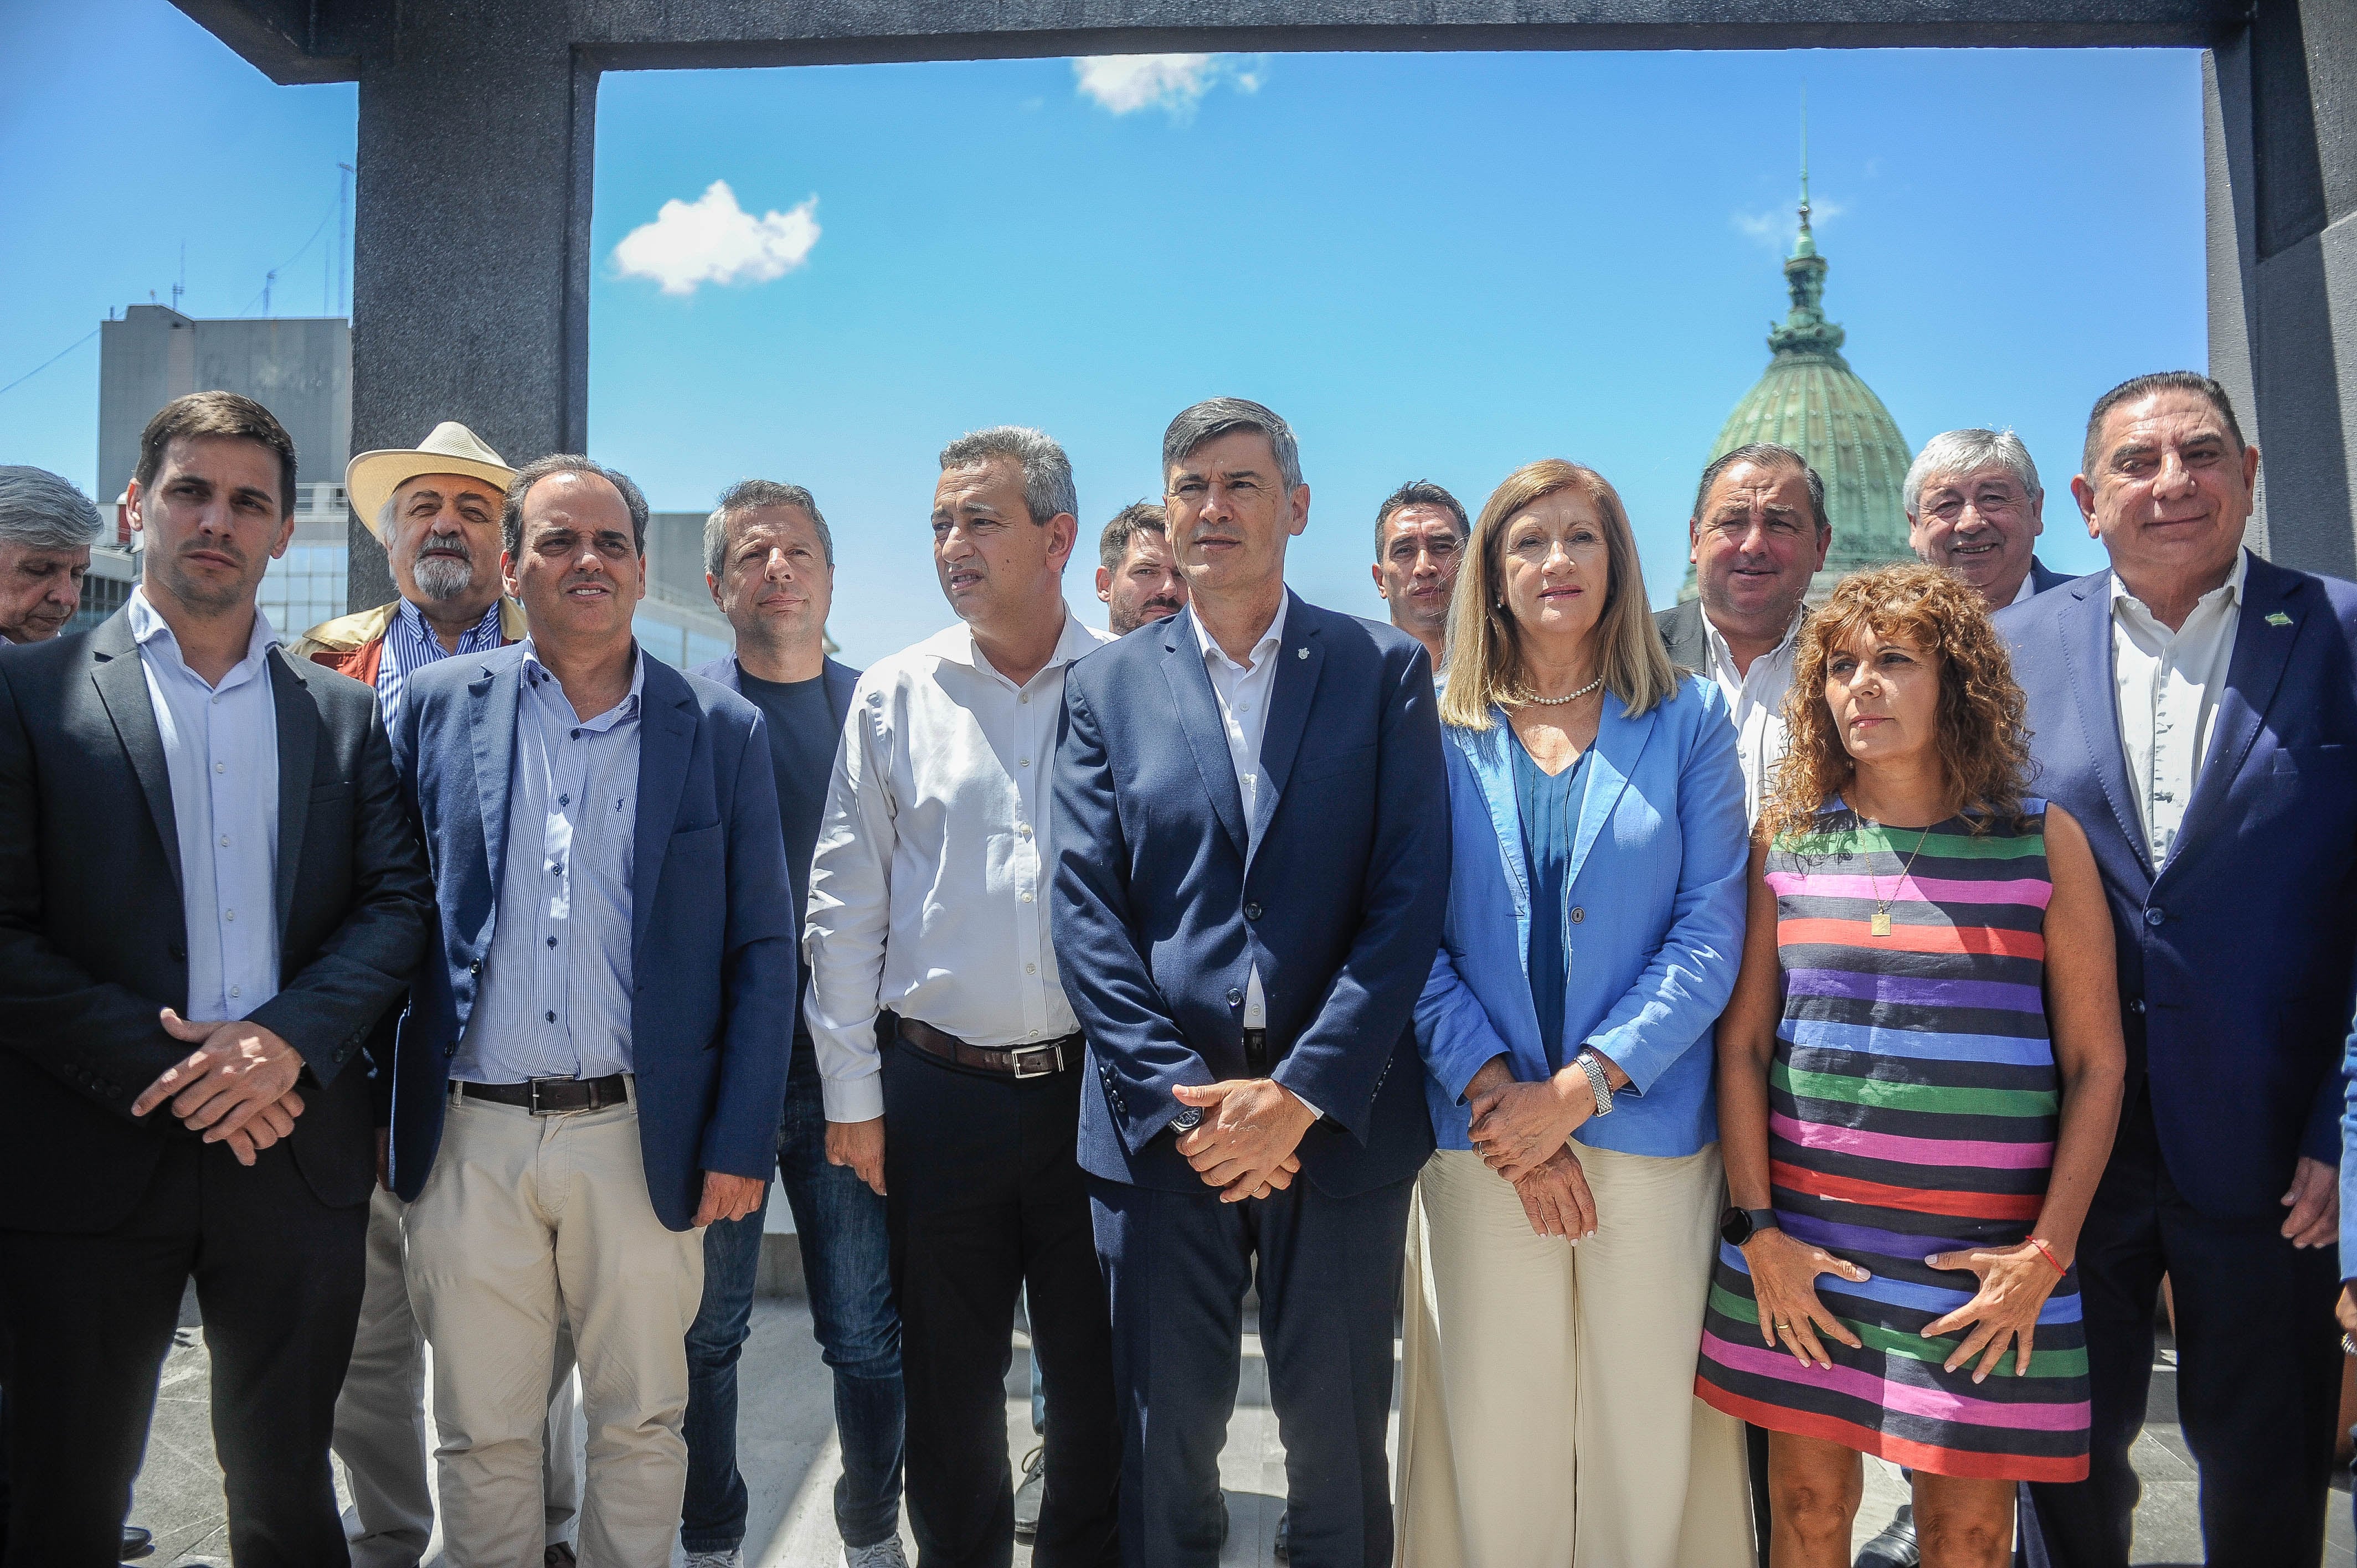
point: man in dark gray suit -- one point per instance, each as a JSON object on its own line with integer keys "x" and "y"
{"x": 208, "y": 894}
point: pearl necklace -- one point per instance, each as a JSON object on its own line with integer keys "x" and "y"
{"x": 1558, "y": 702}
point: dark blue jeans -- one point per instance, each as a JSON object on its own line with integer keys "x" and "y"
{"x": 846, "y": 1266}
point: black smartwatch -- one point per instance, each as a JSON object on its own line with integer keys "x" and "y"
{"x": 1738, "y": 1226}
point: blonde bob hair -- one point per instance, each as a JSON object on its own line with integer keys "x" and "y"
{"x": 1485, "y": 643}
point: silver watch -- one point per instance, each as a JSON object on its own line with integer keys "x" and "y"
{"x": 1592, "y": 1065}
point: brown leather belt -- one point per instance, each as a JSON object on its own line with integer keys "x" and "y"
{"x": 1041, "y": 1060}
{"x": 554, "y": 1096}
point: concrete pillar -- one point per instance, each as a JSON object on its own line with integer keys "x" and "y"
{"x": 2279, "y": 115}
{"x": 471, "y": 255}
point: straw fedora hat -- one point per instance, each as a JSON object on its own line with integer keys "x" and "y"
{"x": 371, "y": 478}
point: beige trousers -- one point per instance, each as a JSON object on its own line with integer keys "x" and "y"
{"x": 381, "y": 1415}
{"x": 526, "y": 1222}
{"x": 1547, "y": 1416}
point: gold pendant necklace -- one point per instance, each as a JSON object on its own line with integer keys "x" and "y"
{"x": 1880, "y": 925}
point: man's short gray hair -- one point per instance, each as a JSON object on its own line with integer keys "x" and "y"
{"x": 1047, "y": 472}
{"x": 41, "y": 510}
{"x": 1956, "y": 452}
{"x": 1217, "y": 416}
{"x": 753, "y": 495}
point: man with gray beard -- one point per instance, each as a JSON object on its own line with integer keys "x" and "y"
{"x": 436, "y": 509}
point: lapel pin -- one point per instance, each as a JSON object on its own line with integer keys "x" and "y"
{"x": 1301, "y": 653}
{"x": 2277, "y": 617}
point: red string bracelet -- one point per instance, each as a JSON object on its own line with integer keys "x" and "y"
{"x": 2048, "y": 1254}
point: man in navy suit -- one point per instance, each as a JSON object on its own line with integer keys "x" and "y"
{"x": 1252, "y": 865}
{"x": 1974, "y": 505}
{"x": 2195, "y": 708}
{"x": 594, "y": 1058}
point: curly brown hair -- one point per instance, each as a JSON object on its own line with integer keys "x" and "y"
{"x": 1984, "y": 745}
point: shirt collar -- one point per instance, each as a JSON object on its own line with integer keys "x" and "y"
{"x": 154, "y": 635}
{"x": 541, "y": 679}
{"x": 2227, "y": 594}
{"x": 1723, "y": 655}
{"x": 1269, "y": 643}
{"x": 956, "y": 644}
{"x": 413, "y": 620}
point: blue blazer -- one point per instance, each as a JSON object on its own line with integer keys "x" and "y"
{"x": 2234, "y": 957}
{"x": 713, "y": 929}
{"x": 1164, "y": 899}
{"x": 1653, "y": 915}
{"x": 2042, "y": 577}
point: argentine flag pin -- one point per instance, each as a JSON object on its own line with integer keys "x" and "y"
{"x": 2279, "y": 619}
{"x": 1301, "y": 653}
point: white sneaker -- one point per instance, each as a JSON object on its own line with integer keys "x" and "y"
{"x": 732, "y": 1558}
{"x": 884, "y": 1554}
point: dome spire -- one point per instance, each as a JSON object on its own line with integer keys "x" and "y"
{"x": 1806, "y": 329}
{"x": 1806, "y": 243}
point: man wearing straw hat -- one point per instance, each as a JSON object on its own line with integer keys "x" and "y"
{"x": 435, "y": 508}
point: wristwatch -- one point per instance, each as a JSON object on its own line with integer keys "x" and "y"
{"x": 1592, "y": 1066}
{"x": 1738, "y": 1226}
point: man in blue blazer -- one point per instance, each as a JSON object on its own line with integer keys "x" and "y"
{"x": 1974, "y": 505}
{"x": 1252, "y": 869}
{"x": 2195, "y": 708}
{"x": 594, "y": 1058}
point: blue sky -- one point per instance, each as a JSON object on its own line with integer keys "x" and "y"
{"x": 1436, "y": 265}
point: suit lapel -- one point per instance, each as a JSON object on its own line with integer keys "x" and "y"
{"x": 666, "y": 737}
{"x": 492, "y": 712}
{"x": 840, "y": 683}
{"x": 122, "y": 682}
{"x": 1487, "y": 756}
{"x": 2262, "y": 652}
{"x": 1292, "y": 686}
{"x": 299, "y": 746}
{"x": 2086, "y": 627}
{"x": 1199, "y": 719}
{"x": 1620, "y": 742}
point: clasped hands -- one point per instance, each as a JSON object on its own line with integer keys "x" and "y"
{"x": 237, "y": 1088}
{"x": 1245, "y": 1144}
{"x": 1523, "y": 1131}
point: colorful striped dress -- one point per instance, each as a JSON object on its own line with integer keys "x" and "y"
{"x": 1911, "y": 1109}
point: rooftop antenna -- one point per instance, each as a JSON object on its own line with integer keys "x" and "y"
{"x": 268, "y": 278}
{"x": 180, "y": 288}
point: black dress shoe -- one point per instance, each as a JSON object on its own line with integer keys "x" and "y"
{"x": 1282, "y": 1547}
{"x": 1895, "y": 1547}
{"x": 137, "y": 1542}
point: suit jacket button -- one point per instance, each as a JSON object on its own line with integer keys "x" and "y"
{"x": 475, "y": 967}
{"x": 1578, "y": 914}
{"x": 2135, "y": 1006}
{"x": 1235, "y": 996}
{"x": 2154, "y": 915}
{"x": 1251, "y": 911}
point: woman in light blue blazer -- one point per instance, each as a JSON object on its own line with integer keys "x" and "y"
{"x": 1559, "y": 1251}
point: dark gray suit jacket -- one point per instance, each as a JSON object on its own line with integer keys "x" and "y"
{"x": 94, "y": 934}
{"x": 1683, "y": 634}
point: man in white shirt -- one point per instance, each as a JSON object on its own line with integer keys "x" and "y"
{"x": 1974, "y": 505}
{"x": 949, "y": 1057}
{"x": 1757, "y": 536}
{"x": 2193, "y": 708}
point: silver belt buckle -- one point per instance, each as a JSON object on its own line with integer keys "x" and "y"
{"x": 1053, "y": 1052}
{"x": 532, "y": 1085}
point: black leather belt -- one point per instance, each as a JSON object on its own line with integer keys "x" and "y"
{"x": 1042, "y": 1060}
{"x": 554, "y": 1096}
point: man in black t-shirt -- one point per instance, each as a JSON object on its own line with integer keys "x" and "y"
{"x": 769, "y": 564}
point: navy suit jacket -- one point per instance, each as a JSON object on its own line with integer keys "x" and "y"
{"x": 2042, "y": 577}
{"x": 712, "y": 928}
{"x": 2234, "y": 956}
{"x": 1160, "y": 911}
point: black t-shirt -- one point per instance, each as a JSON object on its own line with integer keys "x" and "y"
{"x": 803, "y": 734}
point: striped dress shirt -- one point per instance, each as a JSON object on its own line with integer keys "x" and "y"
{"x": 410, "y": 645}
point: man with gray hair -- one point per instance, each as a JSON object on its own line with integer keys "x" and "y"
{"x": 1973, "y": 506}
{"x": 949, "y": 1057}
{"x": 47, "y": 527}
{"x": 770, "y": 565}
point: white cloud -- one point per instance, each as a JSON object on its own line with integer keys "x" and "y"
{"x": 712, "y": 239}
{"x": 1777, "y": 228}
{"x": 1173, "y": 83}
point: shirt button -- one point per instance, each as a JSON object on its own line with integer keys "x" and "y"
{"x": 550, "y": 1017}
{"x": 229, "y": 913}
{"x": 1022, "y": 830}
{"x": 1022, "y": 699}
{"x": 224, "y": 839}
{"x": 552, "y": 942}
{"x": 1025, "y": 763}
{"x": 1026, "y": 898}
{"x": 1030, "y": 969}
{"x": 220, "y": 766}
{"x": 577, "y": 734}
{"x": 564, "y": 799}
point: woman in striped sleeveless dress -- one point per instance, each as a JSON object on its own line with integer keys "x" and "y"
{"x": 1918, "y": 1080}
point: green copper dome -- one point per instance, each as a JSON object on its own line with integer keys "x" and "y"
{"x": 1812, "y": 400}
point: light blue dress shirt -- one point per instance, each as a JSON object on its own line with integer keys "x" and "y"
{"x": 555, "y": 999}
{"x": 410, "y": 645}
{"x": 221, "y": 750}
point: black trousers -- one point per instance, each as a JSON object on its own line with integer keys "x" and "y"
{"x": 985, "y": 1200}
{"x": 1179, "y": 1263}
{"x": 2258, "y": 1368}
{"x": 89, "y": 1321}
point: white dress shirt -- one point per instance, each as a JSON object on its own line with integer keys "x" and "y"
{"x": 1242, "y": 691}
{"x": 929, "y": 890}
{"x": 221, "y": 751}
{"x": 2168, "y": 683}
{"x": 1755, "y": 700}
